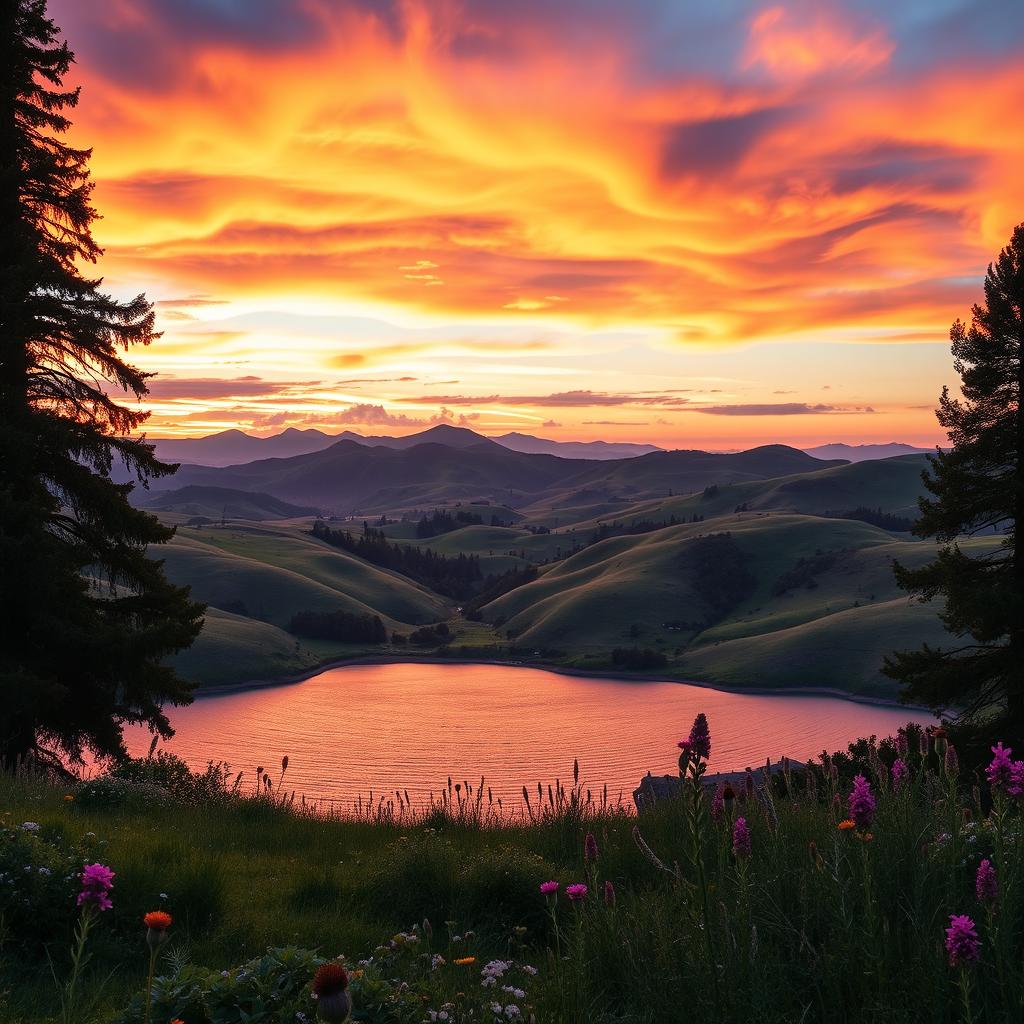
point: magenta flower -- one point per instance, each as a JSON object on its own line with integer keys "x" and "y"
{"x": 718, "y": 802}
{"x": 1015, "y": 787}
{"x": 861, "y": 803}
{"x": 549, "y": 888}
{"x": 1000, "y": 771}
{"x": 576, "y": 892}
{"x": 589, "y": 848}
{"x": 97, "y": 881}
{"x": 951, "y": 762}
{"x": 609, "y": 894}
{"x": 902, "y": 744}
{"x": 985, "y": 884}
{"x": 900, "y": 773}
{"x": 962, "y": 943}
{"x": 741, "y": 839}
{"x": 700, "y": 737}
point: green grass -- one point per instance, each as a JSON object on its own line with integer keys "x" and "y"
{"x": 818, "y": 924}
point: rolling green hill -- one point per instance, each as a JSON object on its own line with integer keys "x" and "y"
{"x": 216, "y": 503}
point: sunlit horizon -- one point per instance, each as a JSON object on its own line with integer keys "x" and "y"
{"x": 695, "y": 226}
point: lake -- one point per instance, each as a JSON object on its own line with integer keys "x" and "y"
{"x": 351, "y": 730}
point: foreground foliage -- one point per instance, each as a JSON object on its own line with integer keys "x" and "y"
{"x": 883, "y": 884}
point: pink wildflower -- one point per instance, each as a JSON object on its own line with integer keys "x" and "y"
{"x": 576, "y": 892}
{"x": 962, "y": 943}
{"x": 985, "y": 884}
{"x": 741, "y": 839}
{"x": 1000, "y": 771}
{"x": 589, "y": 848}
{"x": 861, "y": 803}
{"x": 549, "y": 888}
{"x": 700, "y": 737}
{"x": 951, "y": 762}
{"x": 97, "y": 881}
{"x": 900, "y": 773}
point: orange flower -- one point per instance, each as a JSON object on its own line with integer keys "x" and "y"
{"x": 845, "y": 826}
{"x": 158, "y": 920}
{"x": 463, "y": 960}
{"x": 68, "y": 799}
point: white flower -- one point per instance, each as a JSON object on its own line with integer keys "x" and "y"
{"x": 45, "y": 871}
{"x": 164, "y": 896}
{"x": 512, "y": 1011}
{"x": 496, "y": 1008}
{"x": 30, "y": 826}
{"x": 529, "y": 969}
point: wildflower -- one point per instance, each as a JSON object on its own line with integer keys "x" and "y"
{"x": 718, "y": 803}
{"x": 902, "y": 744}
{"x": 549, "y": 888}
{"x": 741, "y": 839}
{"x": 464, "y": 961}
{"x": 157, "y": 922}
{"x": 437, "y": 961}
{"x": 951, "y": 762}
{"x": 985, "y": 884}
{"x": 962, "y": 943}
{"x": 609, "y": 894}
{"x": 861, "y": 803}
{"x": 576, "y": 892}
{"x": 589, "y": 848}
{"x": 686, "y": 756}
{"x": 1016, "y": 785}
{"x": 846, "y": 825}
{"x": 30, "y": 826}
{"x": 900, "y": 773}
{"x": 700, "y": 737}
{"x": 97, "y": 881}
{"x": 941, "y": 740}
{"x": 330, "y": 983}
{"x": 1000, "y": 771}
{"x": 68, "y": 798}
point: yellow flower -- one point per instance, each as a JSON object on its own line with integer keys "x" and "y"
{"x": 845, "y": 826}
{"x": 463, "y": 960}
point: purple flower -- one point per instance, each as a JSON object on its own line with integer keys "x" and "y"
{"x": 902, "y": 744}
{"x": 576, "y": 892}
{"x": 1016, "y": 785}
{"x": 718, "y": 802}
{"x": 700, "y": 737}
{"x": 609, "y": 894}
{"x": 861, "y": 803}
{"x": 951, "y": 762}
{"x": 549, "y": 888}
{"x": 900, "y": 773}
{"x": 962, "y": 943}
{"x": 985, "y": 884}
{"x": 1000, "y": 771}
{"x": 589, "y": 848}
{"x": 97, "y": 881}
{"x": 741, "y": 838}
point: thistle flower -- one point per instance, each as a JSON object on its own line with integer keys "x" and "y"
{"x": 576, "y": 891}
{"x": 97, "y": 881}
{"x": 718, "y": 802}
{"x": 861, "y": 803}
{"x": 741, "y": 847}
{"x": 549, "y": 888}
{"x": 330, "y": 984}
{"x": 609, "y": 894}
{"x": 951, "y": 762}
{"x": 589, "y": 848}
{"x": 986, "y": 886}
{"x": 962, "y": 943}
{"x": 157, "y": 922}
{"x": 700, "y": 737}
{"x": 900, "y": 772}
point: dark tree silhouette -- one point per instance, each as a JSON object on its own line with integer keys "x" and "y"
{"x": 85, "y": 617}
{"x": 977, "y": 487}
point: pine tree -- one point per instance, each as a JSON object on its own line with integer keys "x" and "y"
{"x": 977, "y": 487}
{"x": 86, "y": 618}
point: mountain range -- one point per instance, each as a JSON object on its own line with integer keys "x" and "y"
{"x": 449, "y": 464}
{"x": 233, "y": 447}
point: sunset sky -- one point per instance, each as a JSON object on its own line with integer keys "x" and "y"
{"x": 709, "y": 223}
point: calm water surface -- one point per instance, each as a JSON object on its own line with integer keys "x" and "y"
{"x": 350, "y": 730}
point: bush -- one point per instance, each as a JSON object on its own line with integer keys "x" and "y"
{"x": 175, "y": 779}
{"x": 111, "y": 791}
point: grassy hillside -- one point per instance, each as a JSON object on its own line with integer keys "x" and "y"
{"x": 218, "y": 503}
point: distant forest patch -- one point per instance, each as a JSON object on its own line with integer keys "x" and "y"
{"x": 343, "y": 627}
{"x": 876, "y": 517}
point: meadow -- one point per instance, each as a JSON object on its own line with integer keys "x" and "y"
{"x": 811, "y": 897}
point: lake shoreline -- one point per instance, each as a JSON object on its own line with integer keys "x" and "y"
{"x": 628, "y": 677}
